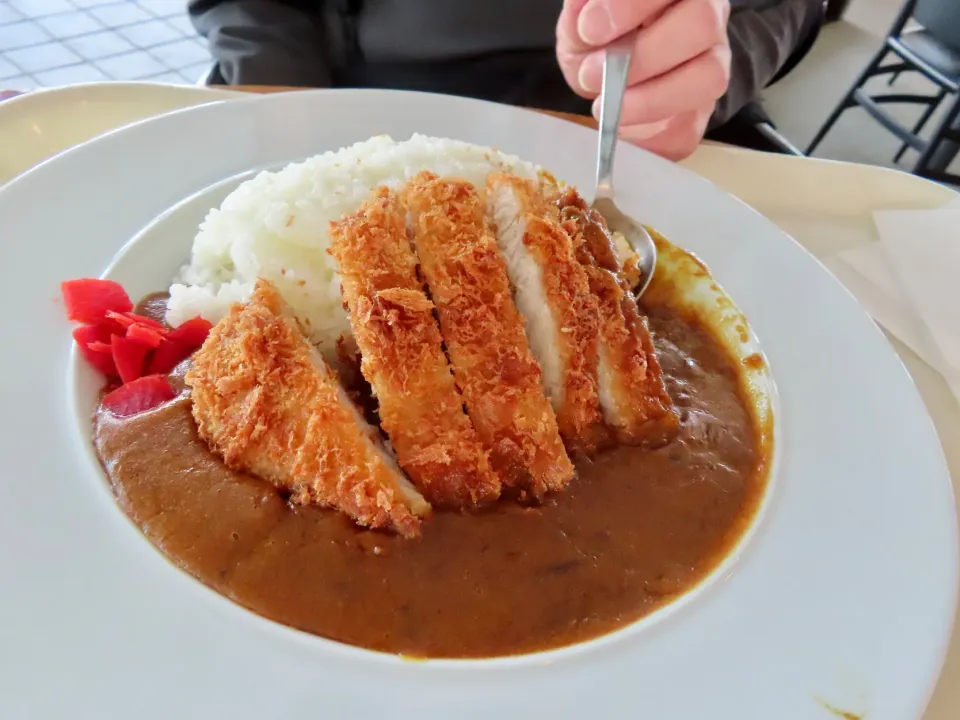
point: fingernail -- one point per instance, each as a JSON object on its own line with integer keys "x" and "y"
{"x": 590, "y": 76}
{"x": 595, "y": 24}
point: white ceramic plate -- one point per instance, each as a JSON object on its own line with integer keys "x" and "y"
{"x": 41, "y": 123}
{"x": 844, "y": 596}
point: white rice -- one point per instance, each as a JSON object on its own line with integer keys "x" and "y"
{"x": 276, "y": 226}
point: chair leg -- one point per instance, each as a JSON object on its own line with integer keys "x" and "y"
{"x": 847, "y": 102}
{"x": 921, "y": 122}
{"x": 924, "y": 165}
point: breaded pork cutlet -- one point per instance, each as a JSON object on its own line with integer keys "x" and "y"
{"x": 632, "y": 393}
{"x": 265, "y": 401}
{"x": 492, "y": 363}
{"x": 403, "y": 359}
{"x": 553, "y": 295}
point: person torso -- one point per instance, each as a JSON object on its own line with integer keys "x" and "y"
{"x": 430, "y": 30}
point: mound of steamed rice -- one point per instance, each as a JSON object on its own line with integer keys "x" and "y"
{"x": 276, "y": 226}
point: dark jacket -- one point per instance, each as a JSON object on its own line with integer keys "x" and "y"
{"x": 500, "y": 50}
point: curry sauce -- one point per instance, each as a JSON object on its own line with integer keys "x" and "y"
{"x": 635, "y": 529}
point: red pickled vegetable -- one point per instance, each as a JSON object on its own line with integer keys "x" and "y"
{"x": 139, "y": 395}
{"x": 119, "y": 342}
{"x": 179, "y": 344}
{"x": 148, "y": 321}
{"x": 89, "y": 338}
{"x": 166, "y": 357}
{"x": 111, "y": 327}
{"x": 86, "y": 334}
{"x": 129, "y": 319}
{"x": 128, "y": 356}
{"x": 121, "y": 319}
{"x": 89, "y": 299}
{"x": 191, "y": 333}
{"x": 101, "y": 362}
{"x": 144, "y": 335}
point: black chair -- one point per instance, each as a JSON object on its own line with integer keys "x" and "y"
{"x": 932, "y": 50}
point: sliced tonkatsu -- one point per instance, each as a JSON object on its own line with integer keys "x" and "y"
{"x": 634, "y": 400}
{"x": 552, "y": 293}
{"x": 403, "y": 358}
{"x": 494, "y": 368}
{"x": 265, "y": 401}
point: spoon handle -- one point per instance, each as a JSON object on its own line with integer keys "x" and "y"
{"x": 616, "y": 64}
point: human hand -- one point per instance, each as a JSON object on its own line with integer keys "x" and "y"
{"x": 680, "y": 65}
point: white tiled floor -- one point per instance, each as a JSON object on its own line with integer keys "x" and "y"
{"x": 42, "y": 57}
{"x": 21, "y": 34}
{"x": 98, "y": 45}
{"x": 69, "y": 24}
{"x": 55, "y": 42}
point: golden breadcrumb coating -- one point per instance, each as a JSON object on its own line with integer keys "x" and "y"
{"x": 635, "y": 400}
{"x": 497, "y": 374}
{"x": 573, "y": 308}
{"x": 264, "y": 400}
{"x": 420, "y": 407}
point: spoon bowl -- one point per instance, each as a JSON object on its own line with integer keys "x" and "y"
{"x": 636, "y": 236}
{"x": 616, "y": 64}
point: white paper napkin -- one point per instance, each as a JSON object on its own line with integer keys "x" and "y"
{"x": 910, "y": 282}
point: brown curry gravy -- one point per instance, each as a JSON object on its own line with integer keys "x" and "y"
{"x": 634, "y": 530}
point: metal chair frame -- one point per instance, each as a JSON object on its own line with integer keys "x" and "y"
{"x": 907, "y": 61}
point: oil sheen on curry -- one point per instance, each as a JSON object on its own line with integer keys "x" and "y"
{"x": 506, "y": 454}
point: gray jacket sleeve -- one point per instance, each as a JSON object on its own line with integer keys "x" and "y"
{"x": 763, "y": 35}
{"x": 263, "y": 42}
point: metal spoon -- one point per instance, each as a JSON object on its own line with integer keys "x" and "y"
{"x": 616, "y": 63}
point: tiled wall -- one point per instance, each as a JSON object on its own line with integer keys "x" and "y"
{"x": 56, "y": 42}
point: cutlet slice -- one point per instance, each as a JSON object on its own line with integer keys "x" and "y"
{"x": 632, "y": 393}
{"x": 403, "y": 359}
{"x": 483, "y": 332}
{"x": 266, "y": 402}
{"x": 553, "y": 295}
